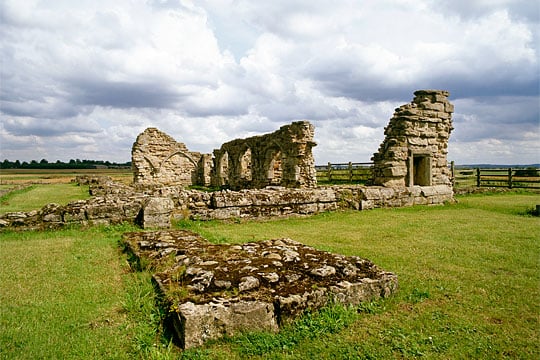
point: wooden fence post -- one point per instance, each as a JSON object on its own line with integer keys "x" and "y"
{"x": 350, "y": 171}
{"x": 477, "y": 177}
{"x": 329, "y": 171}
{"x": 510, "y": 178}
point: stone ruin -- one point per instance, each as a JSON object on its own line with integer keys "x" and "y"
{"x": 410, "y": 168}
{"x": 415, "y": 148}
{"x": 282, "y": 158}
{"x": 158, "y": 159}
{"x": 215, "y": 290}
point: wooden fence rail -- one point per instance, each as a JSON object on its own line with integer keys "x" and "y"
{"x": 361, "y": 173}
{"x": 527, "y": 178}
{"x": 351, "y": 172}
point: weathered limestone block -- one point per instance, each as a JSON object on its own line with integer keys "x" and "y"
{"x": 75, "y": 212}
{"x": 197, "y": 323}
{"x": 157, "y": 212}
{"x": 213, "y": 290}
{"x": 52, "y": 213}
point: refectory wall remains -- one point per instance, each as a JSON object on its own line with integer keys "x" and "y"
{"x": 114, "y": 203}
{"x": 158, "y": 159}
{"x": 282, "y": 158}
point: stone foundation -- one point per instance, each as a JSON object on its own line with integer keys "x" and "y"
{"x": 155, "y": 208}
{"x": 213, "y": 290}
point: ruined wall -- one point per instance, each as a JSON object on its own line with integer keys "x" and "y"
{"x": 158, "y": 159}
{"x": 155, "y": 208}
{"x": 282, "y": 158}
{"x": 415, "y": 148}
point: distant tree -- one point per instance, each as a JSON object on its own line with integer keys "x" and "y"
{"x": 530, "y": 171}
{"x": 6, "y": 164}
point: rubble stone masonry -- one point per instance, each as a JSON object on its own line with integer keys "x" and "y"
{"x": 415, "y": 148}
{"x": 158, "y": 159}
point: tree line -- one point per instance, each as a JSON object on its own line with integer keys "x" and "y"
{"x": 72, "y": 164}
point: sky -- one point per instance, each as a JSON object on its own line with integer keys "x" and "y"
{"x": 81, "y": 79}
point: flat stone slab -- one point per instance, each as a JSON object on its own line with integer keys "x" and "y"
{"x": 213, "y": 290}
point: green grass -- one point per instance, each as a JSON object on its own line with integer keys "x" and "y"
{"x": 469, "y": 277}
{"x": 34, "y": 197}
{"x": 69, "y": 294}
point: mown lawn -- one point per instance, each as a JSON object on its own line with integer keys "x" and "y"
{"x": 469, "y": 277}
{"x": 34, "y": 197}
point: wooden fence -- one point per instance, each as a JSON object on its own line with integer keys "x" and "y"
{"x": 527, "y": 178}
{"x": 361, "y": 173}
{"x": 352, "y": 173}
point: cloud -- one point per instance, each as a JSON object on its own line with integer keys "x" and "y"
{"x": 81, "y": 80}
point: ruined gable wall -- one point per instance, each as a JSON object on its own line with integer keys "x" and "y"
{"x": 282, "y": 158}
{"x": 415, "y": 148}
{"x": 158, "y": 159}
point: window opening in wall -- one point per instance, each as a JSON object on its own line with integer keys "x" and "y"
{"x": 421, "y": 170}
{"x": 224, "y": 169}
{"x": 245, "y": 165}
{"x": 275, "y": 171}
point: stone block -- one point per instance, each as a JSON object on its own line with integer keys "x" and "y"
{"x": 157, "y": 212}
{"x": 197, "y": 323}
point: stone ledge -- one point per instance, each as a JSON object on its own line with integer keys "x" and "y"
{"x": 213, "y": 290}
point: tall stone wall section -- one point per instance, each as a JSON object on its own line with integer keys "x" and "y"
{"x": 158, "y": 159}
{"x": 414, "y": 151}
{"x": 282, "y": 158}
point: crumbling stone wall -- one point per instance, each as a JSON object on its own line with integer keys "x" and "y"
{"x": 157, "y": 207}
{"x": 282, "y": 158}
{"x": 415, "y": 148}
{"x": 158, "y": 159}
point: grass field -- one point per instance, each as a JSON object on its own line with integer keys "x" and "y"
{"x": 10, "y": 177}
{"x": 469, "y": 277}
{"x": 34, "y": 197}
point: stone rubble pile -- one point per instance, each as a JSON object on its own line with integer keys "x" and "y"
{"x": 213, "y": 290}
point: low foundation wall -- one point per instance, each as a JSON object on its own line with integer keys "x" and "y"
{"x": 116, "y": 203}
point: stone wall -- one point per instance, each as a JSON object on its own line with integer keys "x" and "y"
{"x": 415, "y": 148}
{"x": 158, "y": 159}
{"x": 282, "y": 158}
{"x": 156, "y": 207}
